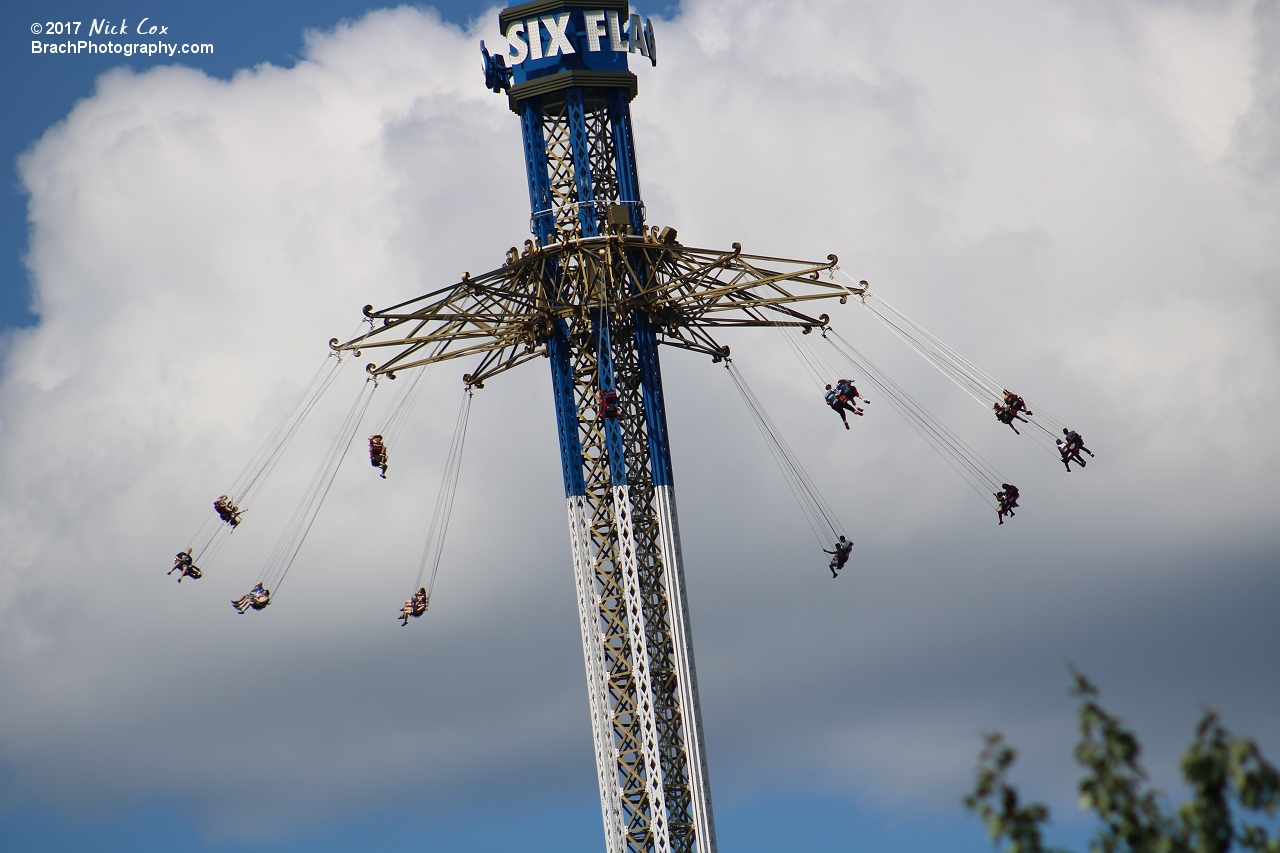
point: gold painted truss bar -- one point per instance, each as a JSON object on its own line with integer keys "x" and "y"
{"x": 505, "y": 316}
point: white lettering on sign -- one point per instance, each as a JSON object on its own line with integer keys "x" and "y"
{"x": 594, "y": 21}
{"x": 525, "y": 40}
{"x": 559, "y": 41}
{"x": 635, "y": 36}
{"x": 519, "y": 50}
{"x": 535, "y": 38}
{"x": 615, "y": 33}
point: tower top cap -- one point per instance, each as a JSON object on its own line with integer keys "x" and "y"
{"x": 553, "y": 44}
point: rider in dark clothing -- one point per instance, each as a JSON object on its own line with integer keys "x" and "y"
{"x": 1076, "y": 441}
{"x": 839, "y": 556}
{"x": 841, "y": 403}
{"x": 1007, "y": 415}
{"x": 378, "y": 454}
{"x": 1013, "y": 401}
{"x": 414, "y": 607}
{"x": 850, "y": 391}
{"x": 185, "y": 568}
{"x": 1008, "y": 498}
{"x": 1072, "y": 447}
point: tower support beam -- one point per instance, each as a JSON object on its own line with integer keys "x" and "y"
{"x": 632, "y": 606}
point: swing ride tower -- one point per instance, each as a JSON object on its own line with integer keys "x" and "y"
{"x": 595, "y": 292}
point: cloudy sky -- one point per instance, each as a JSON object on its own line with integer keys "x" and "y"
{"x": 1082, "y": 198}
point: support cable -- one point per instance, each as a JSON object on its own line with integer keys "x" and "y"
{"x": 295, "y": 532}
{"x": 250, "y": 481}
{"x": 253, "y": 481}
{"x": 817, "y": 512}
{"x": 434, "y": 548}
{"x": 970, "y": 378}
{"x": 808, "y": 363}
{"x": 401, "y": 406}
{"x": 980, "y": 474}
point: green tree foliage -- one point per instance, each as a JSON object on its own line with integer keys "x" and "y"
{"x": 1225, "y": 774}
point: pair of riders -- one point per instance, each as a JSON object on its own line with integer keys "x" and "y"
{"x": 226, "y": 509}
{"x": 378, "y": 454}
{"x": 414, "y": 607}
{"x": 185, "y": 567}
{"x": 1013, "y": 408}
{"x": 839, "y": 556}
{"x": 1071, "y": 448}
{"x": 1008, "y": 498}
{"x": 841, "y": 399}
{"x": 257, "y": 599}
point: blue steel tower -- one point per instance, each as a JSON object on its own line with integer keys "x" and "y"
{"x": 595, "y": 292}
{"x": 573, "y": 94}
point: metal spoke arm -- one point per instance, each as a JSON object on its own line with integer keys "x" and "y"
{"x": 506, "y": 315}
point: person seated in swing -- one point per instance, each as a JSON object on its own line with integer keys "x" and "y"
{"x": 226, "y": 509}
{"x": 850, "y": 392}
{"x": 609, "y": 405}
{"x": 183, "y": 565}
{"x": 257, "y": 599}
{"x": 1016, "y": 403}
{"x": 1008, "y": 498}
{"x": 1070, "y": 449}
{"x": 414, "y": 607}
{"x": 1068, "y": 456}
{"x": 840, "y": 404}
{"x": 1075, "y": 441}
{"x": 839, "y": 556}
{"x": 1007, "y": 415}
{"x": 378, "y": 454}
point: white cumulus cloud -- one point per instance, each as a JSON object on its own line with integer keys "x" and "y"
{"x": 1082, "y": 198}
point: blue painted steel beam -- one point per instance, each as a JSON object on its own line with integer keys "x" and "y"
{"x": 566, "y": 413}
{"x": 580, "y": 144}
{"x": 535, "y": 162}
{"x": 619, "y": 106}
{"x": 608, "y": 383}
{"x": 655, "y": 407}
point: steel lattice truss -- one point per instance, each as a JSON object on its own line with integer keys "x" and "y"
{"x": 506, "y": 316}
{"x": 619, "y": 568}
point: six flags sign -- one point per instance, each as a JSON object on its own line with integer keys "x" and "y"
{"x": 547, "y": 37}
